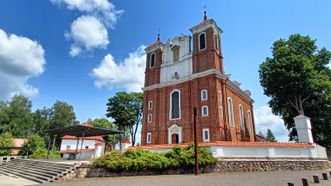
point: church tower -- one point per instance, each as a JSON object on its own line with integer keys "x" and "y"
{"x": 153, "y": 62}
{"x": 207, "y": 53}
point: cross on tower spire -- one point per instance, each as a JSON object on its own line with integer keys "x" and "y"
{"x": 205, "y": 14}
{"x": 158, "y": 36}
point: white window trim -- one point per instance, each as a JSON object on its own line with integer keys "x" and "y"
{"x": 216, "y": 42}
{"x": 250, "y": 121}
{"x": 150, "y": 60}
{"x": 203, "y": 135}
{"x": 202, "y": 113}
{"x": 179, "y": 103}
{"x": 241, "y": 117}
{"x": 202, "y": 91}
{"x": 230, "y": 113}
{"x": 149, "y": 118}
{"x": 150, "y": 105}
{"x": 205, "y": 41}
{"x": 150, "y": 137}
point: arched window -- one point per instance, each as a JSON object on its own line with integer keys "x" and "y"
{"x": 202, "y": 41}
{"x": 152, "y": 60}
{"x": 249, "y": 116}
{"x": 150, "y": 105}
{"x": 204, "y": 94}
{"x": 220, "y": 96}
{"x": 175, "y": 53}
{"x": 230, "y": 111}
{"x": 175, "y": 104}
{"x": 149, "y": 137}
{"x": 149, "y": 118}
{"x": 205, "y": 135}
{"x": 241, "y": 116}
{"x": 204, "y": 111}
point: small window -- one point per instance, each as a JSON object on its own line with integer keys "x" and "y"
{"x": 204, "y": 94}
{"x": 205, "y": 135}
{"x": 149, "y": 137}
{"x": 149, "y": 118}
{"x": 175, "y": 53}
{"x": 220, "y": 95}
{"x": 249, "y": 116}
{"x": 86, "y": 147}
{"x": 230, "y": 111}
{"x": 68, "y": 147}
{"x": 152, "y": 61}
{"x": 221, "y": 111}
{"x": 216, "y": 41}
{"x": 150, "y": 105}
{"x": 202, "y": 41}
{"x": 241, "y": 116}
{"x": 204, "y": 111}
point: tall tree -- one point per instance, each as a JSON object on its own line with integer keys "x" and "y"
{"x": 41, "y": 121}
{"x": 105, "y": 123}
{"x": 126, "y": 110}
{"x": 16, "y": 117}
{"x": 270, "y": 136}
{"x": 62, "y": 115}
{"x": 297, "y": 79}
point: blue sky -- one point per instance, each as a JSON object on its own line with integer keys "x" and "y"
{"x": 82, "y": 53}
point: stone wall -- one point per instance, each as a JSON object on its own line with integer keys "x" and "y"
{"x": 87, "y": 170}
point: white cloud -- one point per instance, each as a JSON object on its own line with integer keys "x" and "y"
{"x": 103, "y": 9}
{"x": 265, "y": 119}
{"x": 329, "y": 65}
{"x": 128, "y": 74}
{"x": 90, "y": 30}
{"x": 87, "y": 33}
{"x": 20, "y": 59}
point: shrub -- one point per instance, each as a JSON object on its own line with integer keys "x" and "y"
{"x": 42, "y": 153}
{"x": 6, "y": 140}
{"x": 142, "y": 160}
{"x": 34, "y": 143}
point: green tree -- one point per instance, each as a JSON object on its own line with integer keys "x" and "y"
{"x": 41, "y": 121}
{"x": 62, "y": 115}
{"x": 16, "y": 117}
{"x": 105, "y": 123}
{"x": 126, "y": 110}
{"x": 297, "y": 79}
{"x": 6, "y": 140}
{"x": 34, "y": 143}
{"x": 270, "y": 136}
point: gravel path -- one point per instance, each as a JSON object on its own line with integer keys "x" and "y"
{"x": 227, "y": 179}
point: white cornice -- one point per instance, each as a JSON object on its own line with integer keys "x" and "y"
{"x": 218, "y": 74}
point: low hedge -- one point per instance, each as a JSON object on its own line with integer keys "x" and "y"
{"x": 142, "y": 160}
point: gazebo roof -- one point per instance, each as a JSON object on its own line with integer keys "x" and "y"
{"x": 83, "y": 130}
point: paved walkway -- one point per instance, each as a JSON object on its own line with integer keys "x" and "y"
{"x": 9, "y": 180}
{"x": 227, "y": 179}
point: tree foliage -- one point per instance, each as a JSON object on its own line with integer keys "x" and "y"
{"x": 105, "y": 123}
{"x": 297, "y": 80}
{"x": 6, "y": 140}
{"x": 34, "y": 143}
{"x": 62, "y": 115}
{"x": 16, "y": 117}
{"x": 126, "y": 110}
{"x": 270, "y": 136}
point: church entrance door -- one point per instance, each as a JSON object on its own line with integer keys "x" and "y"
{"x": 174, "y": 139}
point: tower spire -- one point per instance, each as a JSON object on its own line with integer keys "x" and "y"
{"x": 158, "y": 36}
{"x": 205, "y": 14}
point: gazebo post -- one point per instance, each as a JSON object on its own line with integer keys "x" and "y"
{"x": 77, "y": 145}
{"x": 81, "y": 145}
{"x": 49, "y": 145}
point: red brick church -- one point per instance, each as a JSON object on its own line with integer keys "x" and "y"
{"x": 185, "y": 73}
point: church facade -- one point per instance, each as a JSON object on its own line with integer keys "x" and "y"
{"x": 185, "y": 73}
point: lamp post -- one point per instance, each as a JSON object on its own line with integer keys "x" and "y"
{"x": 195, "y": 141}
